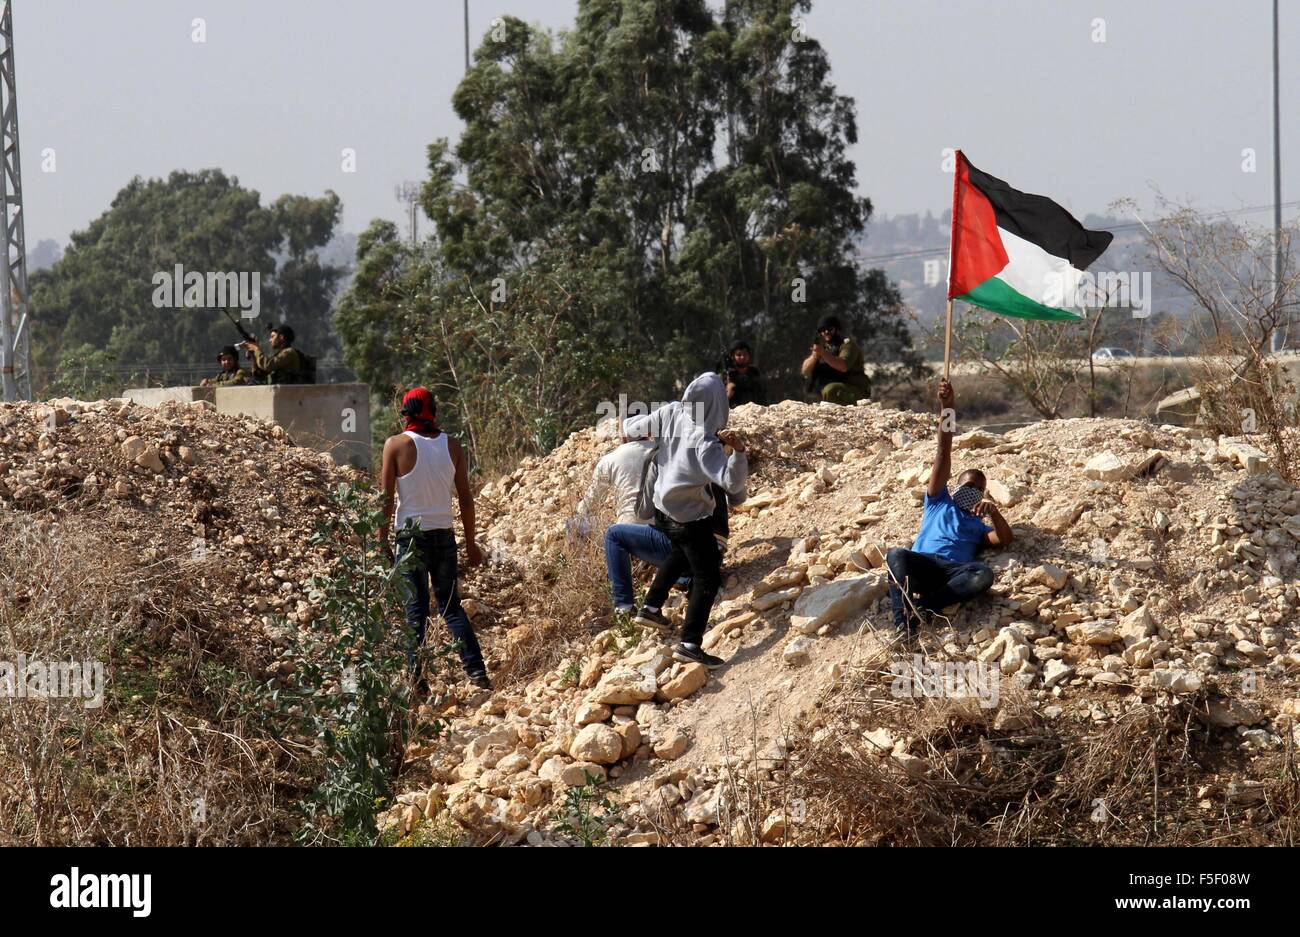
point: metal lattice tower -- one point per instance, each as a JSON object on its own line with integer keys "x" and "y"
{"x": 15, "y": 354}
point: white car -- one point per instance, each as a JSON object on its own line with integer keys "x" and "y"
{"x": 1111, "y": 355}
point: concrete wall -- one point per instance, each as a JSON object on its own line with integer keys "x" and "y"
{"x": 333, "y": 418}
{"x": 155, "y": 396}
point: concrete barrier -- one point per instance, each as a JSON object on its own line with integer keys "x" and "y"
{"x": 156, "y": 396}
{"x": 333, "y": 418}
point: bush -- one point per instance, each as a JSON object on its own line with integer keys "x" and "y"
{"x": 350, "y": 690}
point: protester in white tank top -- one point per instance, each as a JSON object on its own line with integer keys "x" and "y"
{"x": 424, "y": 493}
{"x": 435, "y": 467}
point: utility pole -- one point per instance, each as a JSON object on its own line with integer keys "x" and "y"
{"x": 15, "y": 354}
{"x": 731, "y": 111}
{"x": 466, "y": 37}
{"x": 409, "y": 192}
{"x": 1280, "y": 336}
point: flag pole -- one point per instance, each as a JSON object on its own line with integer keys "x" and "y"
{"x": 947, "y": 339}
{"x": 952, "y": 243}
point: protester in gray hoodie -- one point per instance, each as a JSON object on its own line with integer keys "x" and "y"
{"x": 691, "y": 457}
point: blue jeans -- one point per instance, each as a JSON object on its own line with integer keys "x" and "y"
{"x": 936, "y": 582}
{"x": 435, "y": 559}
{"x": 624, "y": 541}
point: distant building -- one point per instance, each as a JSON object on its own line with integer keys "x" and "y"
{"x": 933, "y": 272}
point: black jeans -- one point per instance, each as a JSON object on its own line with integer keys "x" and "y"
{"x": 938, "y": 582}
{"x": 695, "y": 550}
{"x": 435, "y": 558}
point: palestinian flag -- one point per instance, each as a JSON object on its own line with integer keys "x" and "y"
{"x": 1015, "y": 254}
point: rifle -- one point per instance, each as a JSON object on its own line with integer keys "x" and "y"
{"x": 235, "y": 322}
{"x": 725, "y": 368}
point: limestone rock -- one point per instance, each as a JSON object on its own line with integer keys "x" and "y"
{"x": 1230, "y": 713}
{"x": 836, "y": 600}
{"x": 773, "y": 599}
{"x": 1176, "y": 681}
{"x": 630, "y": 732}
{"x": 1050, "y": 575}
{"x": 782, "y": 578}
{"x": 1094, "y": 633}
{"x": 882, "y": 740}
{"x": 1137, "y": 625}
{"x": 975, "y": 439}
{"x": 686, "y": 681}
{"x": 623, "y": 685}
{"x": 704, "y": 807}
{"x": 1106, "y": 466}
{"x": 796, "y": 651}
{"x": 1245, "y": 454}
{"x": 912, "y": 766}
{"x": 1007, "y": 495}
{"x": 581, "y": 773}
{"x": 1055, "y": 671}
{"x": 591, "y": 712}
{"x": 1057, "y": 517}
{"x": 597, "y": 743}
{"x": 670, "y": 744}
{"x": 774, "y": 827}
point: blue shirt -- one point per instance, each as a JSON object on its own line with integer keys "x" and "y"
{"x": 949, "y": 532}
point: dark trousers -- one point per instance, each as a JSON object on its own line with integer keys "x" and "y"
{"x": 695, "y": 551}
{"x": 936, "y": 582}
{"x": 434, "y": 560}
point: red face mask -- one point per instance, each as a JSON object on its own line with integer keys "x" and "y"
{"x": 418, "y": 409}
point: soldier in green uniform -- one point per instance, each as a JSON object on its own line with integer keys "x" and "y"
{"x": 231, "y": 375}
{"x": 284, "y": 366}
{"x": 835, "y": 366}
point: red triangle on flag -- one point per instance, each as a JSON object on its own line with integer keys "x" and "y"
{"x": 976, "y": 247}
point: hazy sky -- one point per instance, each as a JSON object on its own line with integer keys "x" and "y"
{"x": 117, "y": 88}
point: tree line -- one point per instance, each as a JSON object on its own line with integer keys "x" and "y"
{"x": 627, "y": 196}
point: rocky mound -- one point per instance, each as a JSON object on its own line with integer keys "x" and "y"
{"x": 1145, "y": 617}
{"x": 229, "y": 495}
{"x": 171, "y": 546}
{"x": 1152, "y": 572}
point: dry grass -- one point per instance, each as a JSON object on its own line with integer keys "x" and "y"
{"x": 564, "y": 600}
{"x": 1005, "y": 776}
{"x": 166, "y": 758}
{"x": 1235, "y": 386}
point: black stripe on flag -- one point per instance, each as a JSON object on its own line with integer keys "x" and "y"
{"x": 1041, "y": 221}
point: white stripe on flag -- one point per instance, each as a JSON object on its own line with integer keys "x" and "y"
{"x": 1035, "y": 274}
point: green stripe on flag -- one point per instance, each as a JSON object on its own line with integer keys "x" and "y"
{"x": 995, "y": 295}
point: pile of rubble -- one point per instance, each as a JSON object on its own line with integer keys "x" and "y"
{"x": 1150, "y": 564}
{"x": 230, "y": 498}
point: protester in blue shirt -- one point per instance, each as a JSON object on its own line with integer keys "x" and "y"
{"x": 941, "y": 569}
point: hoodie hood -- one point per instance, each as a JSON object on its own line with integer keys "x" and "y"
{"x": 706, "y": 402}
{"x": 690, "y": 457}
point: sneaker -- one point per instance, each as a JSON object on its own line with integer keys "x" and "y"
{"x": 907, "y": 635}
{"x": 480, "y": 680}
{"x": 655, "y": 620}
{"x": 694, "y": 654}
{"x": 917, "y": 619}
